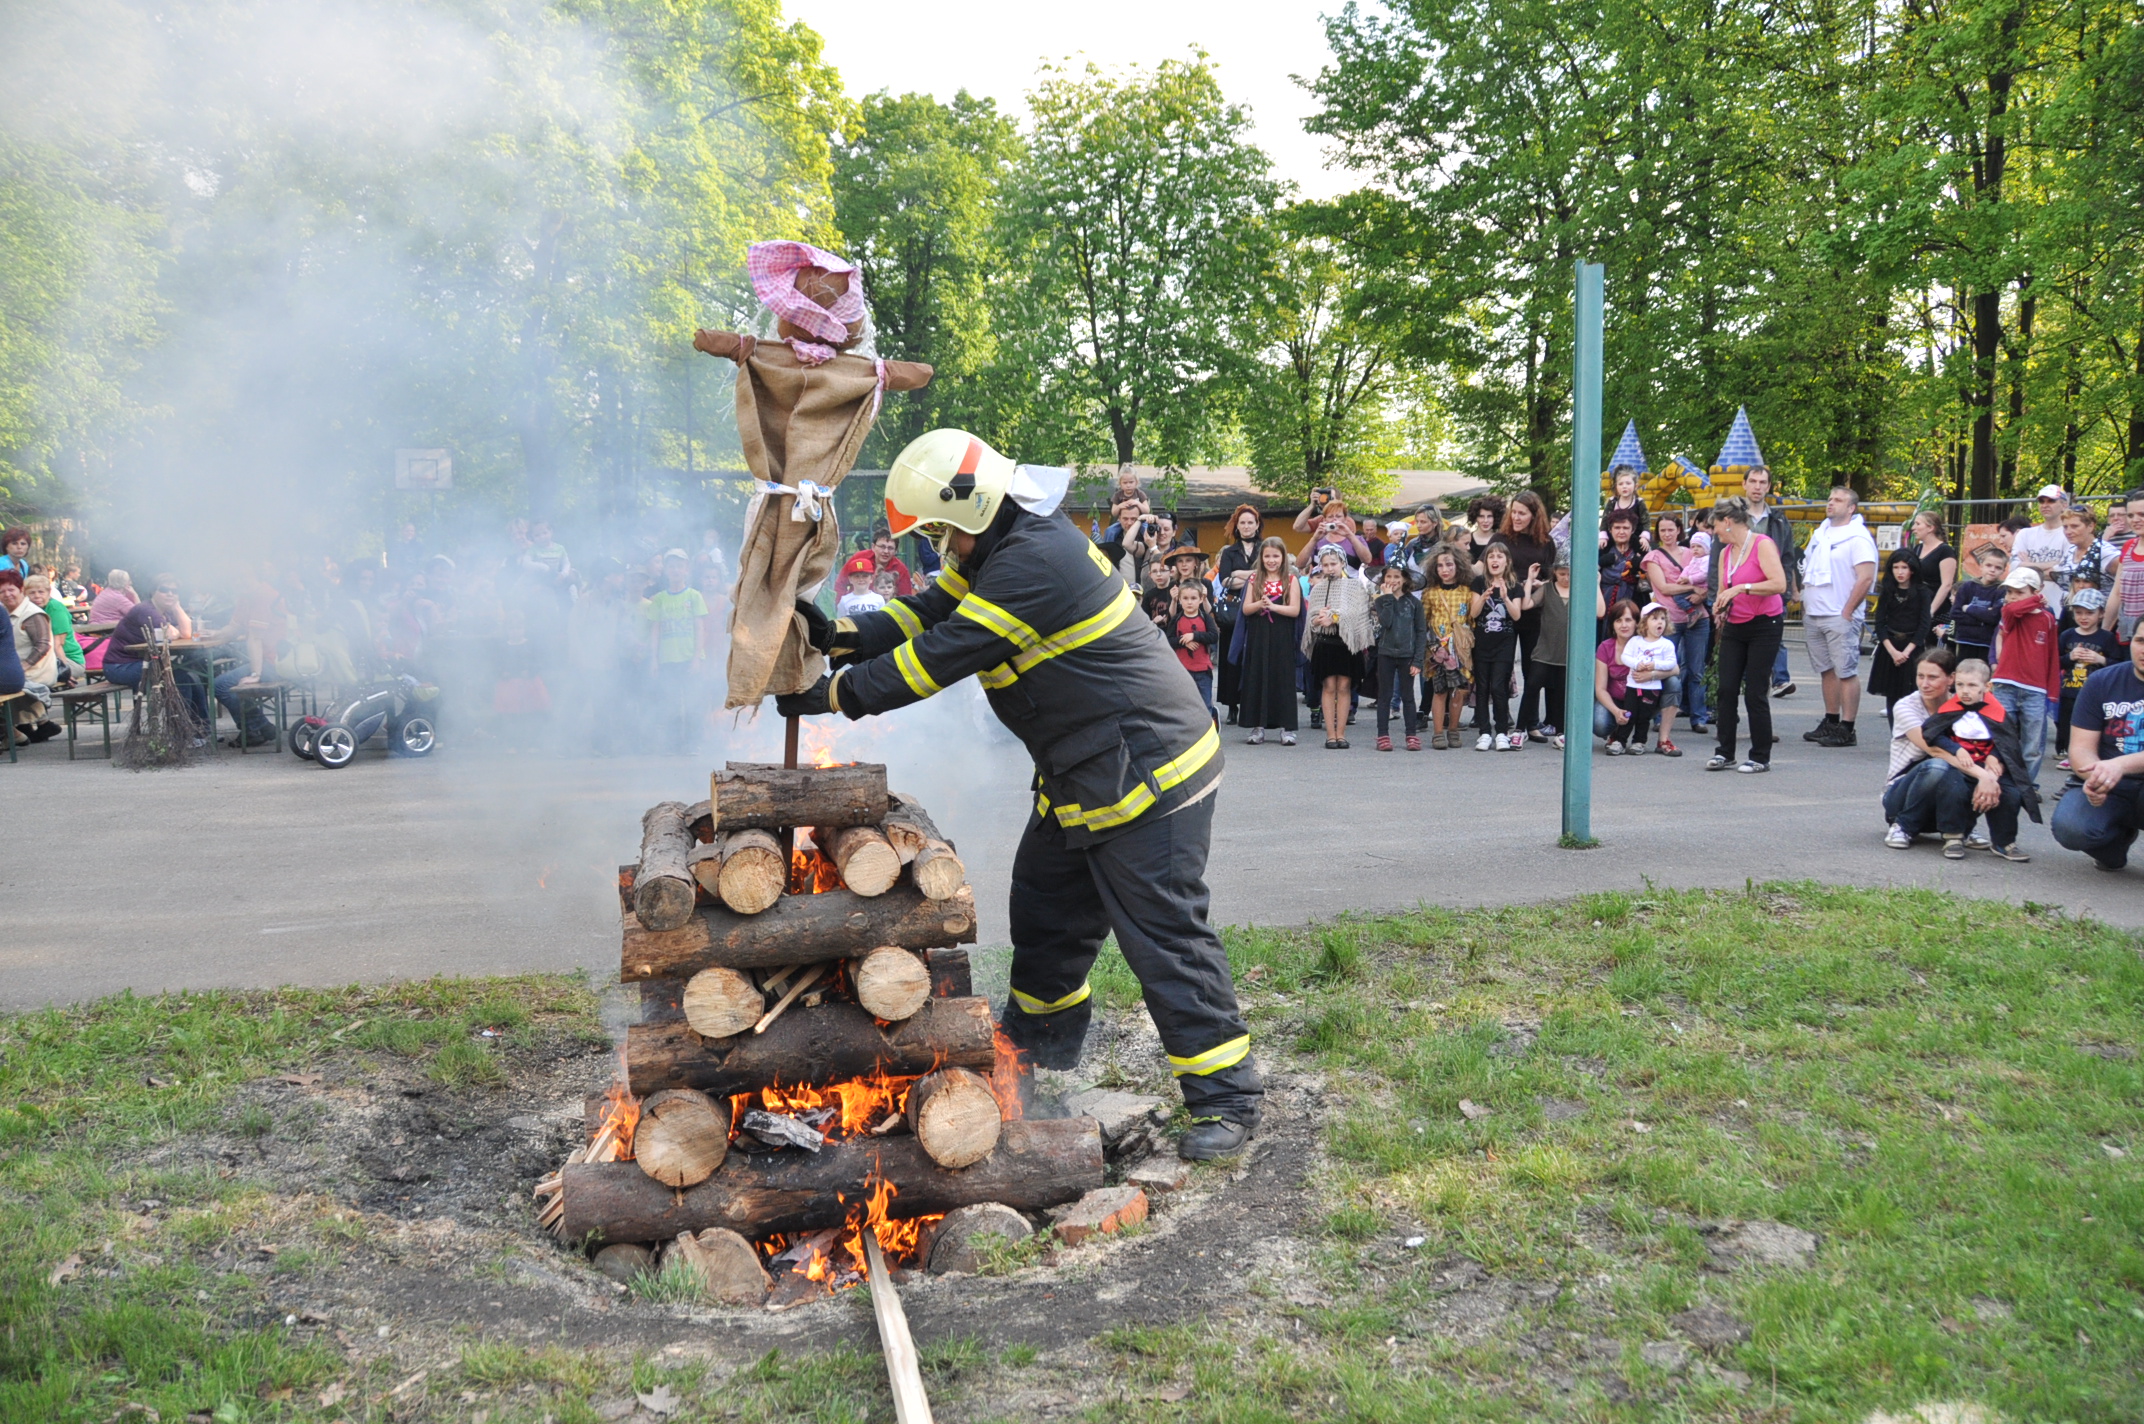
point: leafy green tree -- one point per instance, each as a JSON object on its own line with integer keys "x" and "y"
{"x": 1136, "y": 221}
{"x": 1316, "y": 397}
{"x": 917, "y": 199}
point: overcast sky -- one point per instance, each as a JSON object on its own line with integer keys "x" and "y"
{"x": 943, "y": 46}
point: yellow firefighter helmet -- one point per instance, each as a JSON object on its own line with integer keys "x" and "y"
{"x": 946, "y": 477}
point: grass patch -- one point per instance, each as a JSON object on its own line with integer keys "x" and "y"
{"x": 1931, "y": 1085}
{"x": 1918, "y": 1079}
{"x": 82, "y": 1088}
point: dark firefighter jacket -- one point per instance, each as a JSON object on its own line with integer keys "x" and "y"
{"x": 1115, "y": 725}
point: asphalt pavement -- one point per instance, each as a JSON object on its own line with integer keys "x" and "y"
{"x": 265, "y": 870}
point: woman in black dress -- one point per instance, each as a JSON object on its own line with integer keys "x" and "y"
{"x": 1902, "y": 632}
{"x": 1272, "y": 601}
{"x": 1935, "y": 564}
{"x": 1238, "y": 557}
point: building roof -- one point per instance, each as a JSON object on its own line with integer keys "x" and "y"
{"x": 1211, "y": 491}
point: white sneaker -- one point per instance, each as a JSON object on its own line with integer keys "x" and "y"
{"x": 1515, "y": 742}
{"x": 1484, "y": 743}
{"x": 1897, "y": 839}
{"x": 1256, "y": 737}
{"x": 1287, "y": 739}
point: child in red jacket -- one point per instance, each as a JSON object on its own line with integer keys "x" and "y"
{"x": 2028, "y": 664}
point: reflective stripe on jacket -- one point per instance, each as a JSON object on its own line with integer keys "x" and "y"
{"x": 1115, "y": 725}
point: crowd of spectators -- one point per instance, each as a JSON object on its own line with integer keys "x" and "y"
{"x": 533, "y": 645}
{"x": 1977, "y": 660}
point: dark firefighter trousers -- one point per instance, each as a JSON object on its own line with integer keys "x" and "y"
{"x": 1149, "y": 886}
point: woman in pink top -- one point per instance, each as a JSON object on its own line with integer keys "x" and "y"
{"x": 1750, "y": 617}
{"x": 109, "y": 606}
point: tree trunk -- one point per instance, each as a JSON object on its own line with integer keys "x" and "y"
{"x": 955, "y": 1117}
{"x": 890, "y": 984}
{"x": 811, "y": 1046}
{"x": 664, "y": 891}
{"x": 798, "y": 929}
{"x": 863, "y": 855}
{"x": 662, "y": 1000}
{"x": 1038, "y": 1163}
{"x": 748, "y": 795}
{"x": 1980, "y": 398}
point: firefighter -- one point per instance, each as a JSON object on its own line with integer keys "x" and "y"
{"x": 1127, "y": 761}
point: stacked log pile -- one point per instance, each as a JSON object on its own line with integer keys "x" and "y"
{"x": 809, "y": 1037}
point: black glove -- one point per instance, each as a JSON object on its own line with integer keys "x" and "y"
{"x": 818, "y": 629}
{"x": 813, "y": 701}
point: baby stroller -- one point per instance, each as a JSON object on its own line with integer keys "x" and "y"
{"x": 400, "y": 706}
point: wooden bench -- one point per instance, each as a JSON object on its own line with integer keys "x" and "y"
{"x": 76, "y": 703}
{"x": 7, "y": 719}
{"x": 242, "y": 693}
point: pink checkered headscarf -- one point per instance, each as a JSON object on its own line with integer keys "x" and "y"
{"x": 773, "y": 267}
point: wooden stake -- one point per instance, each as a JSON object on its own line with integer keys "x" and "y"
{"x": 904, "y": 1369}
{"x": 789, "y": 835}
{"x": 804, "y": 982}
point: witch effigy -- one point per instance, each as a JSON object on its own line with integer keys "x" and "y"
{"x": 805, "y": 401}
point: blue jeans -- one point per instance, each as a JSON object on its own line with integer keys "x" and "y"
{"x": 2106, "y": 831}
{"x": 1910, "y": 802}
{"x": 2026, "y": 708}
{"x": 1691, "y": 645}
{"x": 1955, "y": 814}
{"x": 1779, "y": 667}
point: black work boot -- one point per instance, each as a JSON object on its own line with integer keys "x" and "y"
{"x": 1842, "y": 735}
{"x": 1213, "y": 1137}
{"x": 1822, "y": 730}
{"x": 1048, "y": 1040}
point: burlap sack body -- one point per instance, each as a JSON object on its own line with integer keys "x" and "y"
{"x": 796, "y": 422}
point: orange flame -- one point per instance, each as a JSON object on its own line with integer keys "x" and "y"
{"x": 613, "y": 1139}
{"x": 815, "y": 746}
{"x": 863, "y": 1103}
{"x": 811, "y": 873}
{"x": 1006, "y": 1076}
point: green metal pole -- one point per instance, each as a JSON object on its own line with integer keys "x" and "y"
{"x": 1585, "y": 568}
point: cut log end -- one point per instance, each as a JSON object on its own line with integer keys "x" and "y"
{"x": 890, "y": 983}
{"x": 866, "y": 859}
{"x": 754, "y": 872}
{"x": 682, "y": 1137}
{"x": 938, "y": 872}
{"x": 720, "y": 1002}
{"x": 954, "y": 1115}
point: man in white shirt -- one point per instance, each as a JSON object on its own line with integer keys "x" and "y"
{"x": 1838, "y": 569}
{"x": 2043, "y": 547}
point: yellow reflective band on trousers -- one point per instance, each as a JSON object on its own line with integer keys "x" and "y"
{"x": 905, "y": 619}
{"x": 1033, "y": 1005}
{"x": 1141, "y": 798}
{"x": 1213, "y": 1060}
{"x": 919, "y": 682}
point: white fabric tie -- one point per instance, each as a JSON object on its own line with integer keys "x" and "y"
{"x": 808, "y": 498}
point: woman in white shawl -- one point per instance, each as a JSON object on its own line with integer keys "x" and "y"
{"x": 1334, "y": 635}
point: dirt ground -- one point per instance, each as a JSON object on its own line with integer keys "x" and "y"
{"x": 393, "y": 1222}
